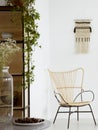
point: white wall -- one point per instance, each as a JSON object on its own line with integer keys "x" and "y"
{"x": 63, "y": 56}
{"x": 57, "y": 39}
{"x": 39, "y": 96}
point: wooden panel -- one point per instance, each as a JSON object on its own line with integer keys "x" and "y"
{"x": 11, "y": 22}
{"x": 16, "y": 65}
{"x": 18, "y": 88}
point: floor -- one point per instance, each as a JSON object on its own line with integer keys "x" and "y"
{"x": 83, "y": 124}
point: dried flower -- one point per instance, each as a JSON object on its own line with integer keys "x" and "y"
{"x": 7, "y": 49}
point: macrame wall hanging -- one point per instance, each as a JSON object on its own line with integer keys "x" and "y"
{"x": 82, "y": 32}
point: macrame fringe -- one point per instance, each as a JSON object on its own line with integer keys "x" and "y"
{"x": 82, "y": 32}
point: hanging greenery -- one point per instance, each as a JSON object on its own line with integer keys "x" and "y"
{"x": 31, "y": 34}
{"x": 31, "y": 38}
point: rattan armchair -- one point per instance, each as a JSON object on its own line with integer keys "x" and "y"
{"x": 69, "y": 92}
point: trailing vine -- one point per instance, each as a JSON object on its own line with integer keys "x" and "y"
{"x": 31, "y": 35}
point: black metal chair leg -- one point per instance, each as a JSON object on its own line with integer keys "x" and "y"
{"x": 69, "y": 117}
{"x": 77, "y": 113}
{"x": 56, "y": 114}
{"x": 92, "y": 114}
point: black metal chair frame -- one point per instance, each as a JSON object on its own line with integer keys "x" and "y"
{"x": 70, "y": 107}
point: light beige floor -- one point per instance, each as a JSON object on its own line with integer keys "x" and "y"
{"x": 82, "y": 124}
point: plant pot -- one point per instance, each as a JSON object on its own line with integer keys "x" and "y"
{"x": 3, "y": 2}
{"x": 6, "y": 35}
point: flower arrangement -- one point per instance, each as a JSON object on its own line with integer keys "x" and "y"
{"x": 8, "y": 47}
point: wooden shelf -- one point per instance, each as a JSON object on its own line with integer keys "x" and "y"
{"x": 11, "y": 21}
{"x": 9, "y": 8}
